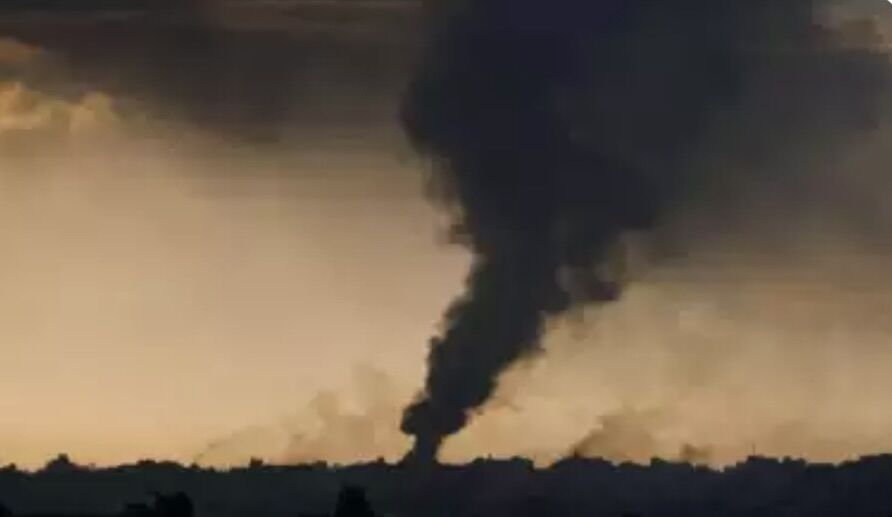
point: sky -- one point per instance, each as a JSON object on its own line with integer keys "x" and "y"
{"x": 218, "y": 245}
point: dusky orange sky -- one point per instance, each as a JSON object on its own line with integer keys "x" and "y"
{"x": 174, "y": 292}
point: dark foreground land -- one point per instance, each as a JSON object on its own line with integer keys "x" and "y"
{"x": 573, "y": 487}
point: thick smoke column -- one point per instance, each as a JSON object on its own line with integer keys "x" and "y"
{"x": 555, "y": 127}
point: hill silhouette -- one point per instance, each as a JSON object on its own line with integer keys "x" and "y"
{"x": 574, "y": 486}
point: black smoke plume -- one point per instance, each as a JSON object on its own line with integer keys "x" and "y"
{"x": 554, "y": 127}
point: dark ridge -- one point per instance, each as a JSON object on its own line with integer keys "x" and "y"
{"x": 575, "y": 486}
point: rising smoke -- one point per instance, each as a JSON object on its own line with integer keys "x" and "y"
{"x": 556, "y": 128}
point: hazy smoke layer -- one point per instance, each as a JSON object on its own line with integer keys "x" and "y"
{"x": 556, "y": 128}
{"x": 334, "y": 427}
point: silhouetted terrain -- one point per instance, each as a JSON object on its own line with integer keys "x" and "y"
{"x": 486, "y": 487}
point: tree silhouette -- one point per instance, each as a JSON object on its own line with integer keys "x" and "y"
{"x": 61, "y": 463}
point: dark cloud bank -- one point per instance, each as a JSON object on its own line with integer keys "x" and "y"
{"x": 247, "y": 70}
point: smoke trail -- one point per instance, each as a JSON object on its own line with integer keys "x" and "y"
{"x": 555, "y": 127}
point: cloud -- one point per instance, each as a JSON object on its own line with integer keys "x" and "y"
{"x": 16, "y": 53}
{"x": 23, "y": 110}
